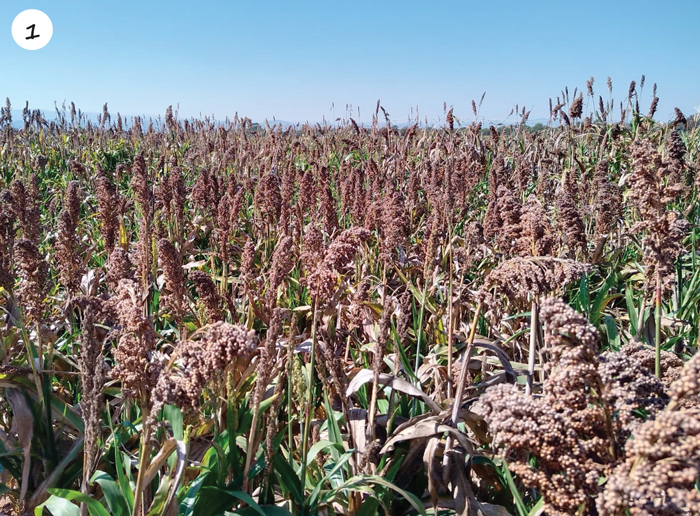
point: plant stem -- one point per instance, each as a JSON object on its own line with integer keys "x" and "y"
{"x": 381, "y": 340}
{"x": 418, "y": 341}
{"x": 309, "y": 400}
{"x": 657, "y": 321}
{"x": 145, "y": 455}
{"x": 450, "y": 327}
{"x": 252, "y": 444}
{"x": 534, "y": 323}
{"x": 465, "y": 365}
{"x": 290, "y": 434}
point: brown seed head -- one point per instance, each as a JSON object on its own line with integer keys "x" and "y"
{"x": 33, "y": 274}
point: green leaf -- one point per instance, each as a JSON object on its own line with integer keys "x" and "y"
{"x": 311, "y": 501}
{"x": 690, "y": 295}
{"x": 161, "y": 497}
{"x": 602, "y": 300}
{"x": 220, "y": 462}
{"x": 66, "y": 411}
{"x": 58, "y": 507}
{"x": 537, "y": 508}
{"x": 288, "y": 478}
{"x": 215, "y": 503}
{"x": 334, "y": 433}
{"x": 405, "y": 361}
{"x": 232, "y": 427}
{"x": 268, "y": 510}
{"x": 8, "y": 462}
{"x": 173, "y": 415}
{"x": 417, "y": 294}
{"x": 631, "y": 310}
{"x": 188, "y": 502}
{"x": 361, "y": 480}
{"x": 517, "y": 499}
{"x": 113, "y": 494}
{"x": 584, "y": 296}
{"x": 247, "y": 417}
{"x": 123, "y": 481}
{"x": 320, "y": 446}
{"x": 612, "y": 331}
{"x": 94, "y": 507}
{"x": 369, "y": 507}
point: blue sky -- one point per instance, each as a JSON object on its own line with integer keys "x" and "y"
{"x": 306, "y": 60}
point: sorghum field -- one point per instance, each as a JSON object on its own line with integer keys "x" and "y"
{"x": 207, "y": 318}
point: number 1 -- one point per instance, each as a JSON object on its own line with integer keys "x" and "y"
{"x": 32, "y": 26}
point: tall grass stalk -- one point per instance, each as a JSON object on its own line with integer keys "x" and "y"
{"x": 657, "y": 329}
{"x": 375, "y": 380}
{"x": 465, "y": 365}
{"x": 309, "y": 399}
{"x": 450, "y": 322}
{"x": 534, "y": 324}
{"x": 144, "y": 457}
{"x": 418, "y": 341}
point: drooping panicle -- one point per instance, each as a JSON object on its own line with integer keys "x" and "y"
{"x": 202, "y": 358}
{"x": 107, "y": 208}
{"x": 135, "y": 366}
{"x": 663, "y": 229}
{"x": 25, "y": 195}
{"x": 207, "y": 295}
{"x": 67, "y": 253}
{"x": 144, "y": 197}
{"x": 536, "y": 232}
{"x": 323, "y": 277}
{"x": 33, "y": 279}
{"x": 282, "y": 263}
{"x": 8, "y": 220}
{"x": 173, "y": 295}
{"x": 93, "y": 372}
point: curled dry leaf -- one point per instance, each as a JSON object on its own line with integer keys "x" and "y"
{"x": 388, "y": 380}
{"x": 426, "y": 428}
{"x": 23, "y": 426}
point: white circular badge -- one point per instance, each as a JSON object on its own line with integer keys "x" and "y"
{"x": 32, "y": 29}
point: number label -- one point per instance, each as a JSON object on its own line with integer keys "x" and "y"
{"x": 32, "y": 36}
{"x": 32, "y": 29}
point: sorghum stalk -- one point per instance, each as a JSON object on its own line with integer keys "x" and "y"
{"x": 34, "y": 358}
{"x": 309, "y": 398}
{"x": 265, "y": 368}
{"x": 224, "y": 280}
{"x": 144, "y": 457}
{"x": 449, "y": 325}
{"x": 465, "y": 366}
{"x": 290, "y": 434}
{"x": 657, "y": 321}
{"x": 418, "y": 340}
{"x": 534, "y": 323}
{"x": 381, "y": 340}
